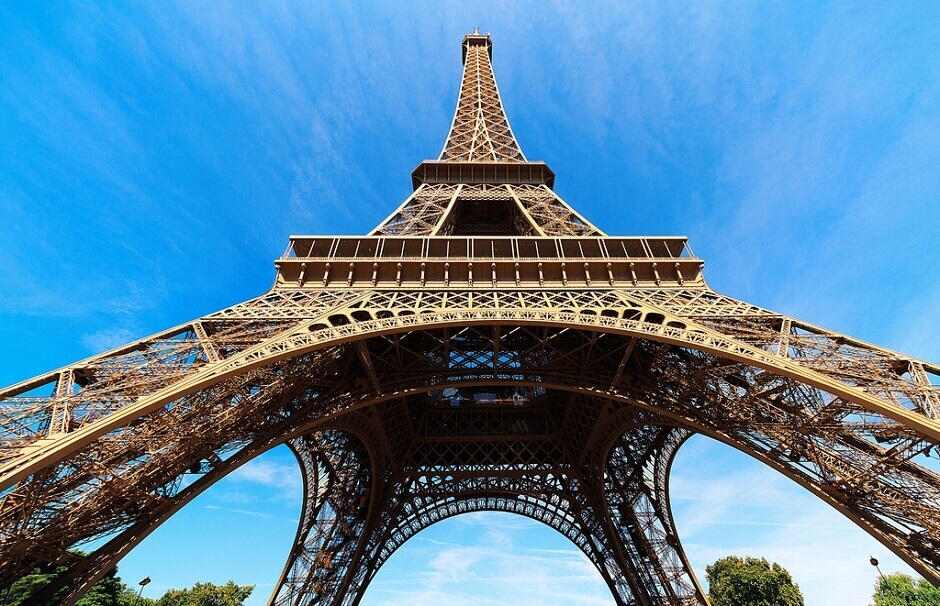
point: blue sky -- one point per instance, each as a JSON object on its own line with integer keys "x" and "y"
{"x": 155, "y": 158}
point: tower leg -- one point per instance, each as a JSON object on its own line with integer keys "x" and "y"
{"x": 637, "y": 499}
{"x": 635, "y": 550}
{"x": 337, "y": 481}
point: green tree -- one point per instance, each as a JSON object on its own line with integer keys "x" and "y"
{"x": 901, "y": 590}
{"x": 106, "y": 592}
{"x": 207, "y": 594}
{"x": 22, "y": 590}
{"x": 129, "y": 597}
{"x": 109, "y": 591}
{"x": 748, "y": 581}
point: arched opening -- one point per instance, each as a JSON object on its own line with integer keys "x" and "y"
{"x": 488, "y": 558}
{"x": 240, "y": 529}
{"x": 725, "y": 502}
{"x": 469, "y": 374}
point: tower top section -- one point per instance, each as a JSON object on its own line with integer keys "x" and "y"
{"x": 477, "y": 39}
{"x": 480, "y": 131}
{"x": 482, "y": 184}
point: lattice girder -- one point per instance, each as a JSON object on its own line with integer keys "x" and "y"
{"x": 829, "y": 444}
{"x": 636, "y": 487}
{"x": 395, "y": 311}
{"x": 480, "y": 158}
{"x": 84, "y": 572}
{"x": 562, "y": 496}
{"x": 337, "y": 492}
{"x": 908, "y": 440}
{"x": 480, "y": 131}
{"x": 433, "y": 210}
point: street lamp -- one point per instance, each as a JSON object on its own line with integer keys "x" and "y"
{"x": 142, "y": 584}
{"x": 874, "y": 562}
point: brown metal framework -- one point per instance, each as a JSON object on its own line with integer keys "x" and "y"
{"x": 485, "y": 348}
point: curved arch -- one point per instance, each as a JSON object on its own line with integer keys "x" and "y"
{"x": 726, "y": 386}
{"x": 548, "y": 507}
{"x": 636, "y": 473}
{"x": 557, "y": 508}
{"x": 314, "y": 335}
{"x": 558, "y": 386}
{"x": 765, "y": 456}
{"x": 751, "y": 451}
{"x": 470, "y": 530}
{"x": 335, "y": 514}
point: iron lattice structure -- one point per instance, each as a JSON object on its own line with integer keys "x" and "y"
{"x": 485, "y": 348}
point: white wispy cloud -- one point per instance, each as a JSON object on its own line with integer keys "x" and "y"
{"x": 726, "y": 503}
{"x": 245, "y": 512}
{"x": 283, "y": 481}
{"x": 108, "y": 338}
{"x": 491, "y": 559}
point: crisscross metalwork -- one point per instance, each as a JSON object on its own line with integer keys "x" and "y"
{"x": 480, "y": 131}
{"x": 485, "y": 348}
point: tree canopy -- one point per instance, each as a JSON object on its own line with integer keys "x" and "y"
{"x": 735, "y": 581}
{"x": 111, "y": 591}
{"x": 207, "y": 594}
{"x": 901, "y": 590}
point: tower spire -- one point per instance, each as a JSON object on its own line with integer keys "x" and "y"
{"x": 480, "y": 131}
{"x": 482, "y": 183}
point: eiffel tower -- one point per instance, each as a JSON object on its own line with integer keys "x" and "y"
{"x": 484, "y": 348}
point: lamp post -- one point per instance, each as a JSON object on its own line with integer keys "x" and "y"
{"x": 874, "y": 562}
{"x": 142, "y": 584}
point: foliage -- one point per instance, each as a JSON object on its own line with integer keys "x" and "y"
{"x": 130, "y": 598}
{"x": 106, "y": 592}
{"x": 748, "y": 581}
{"x": 901, "y": 590}
{"x": 109, "y": 591}
{"x": 22, "y": 590}
{"x": 207, "y": 594}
